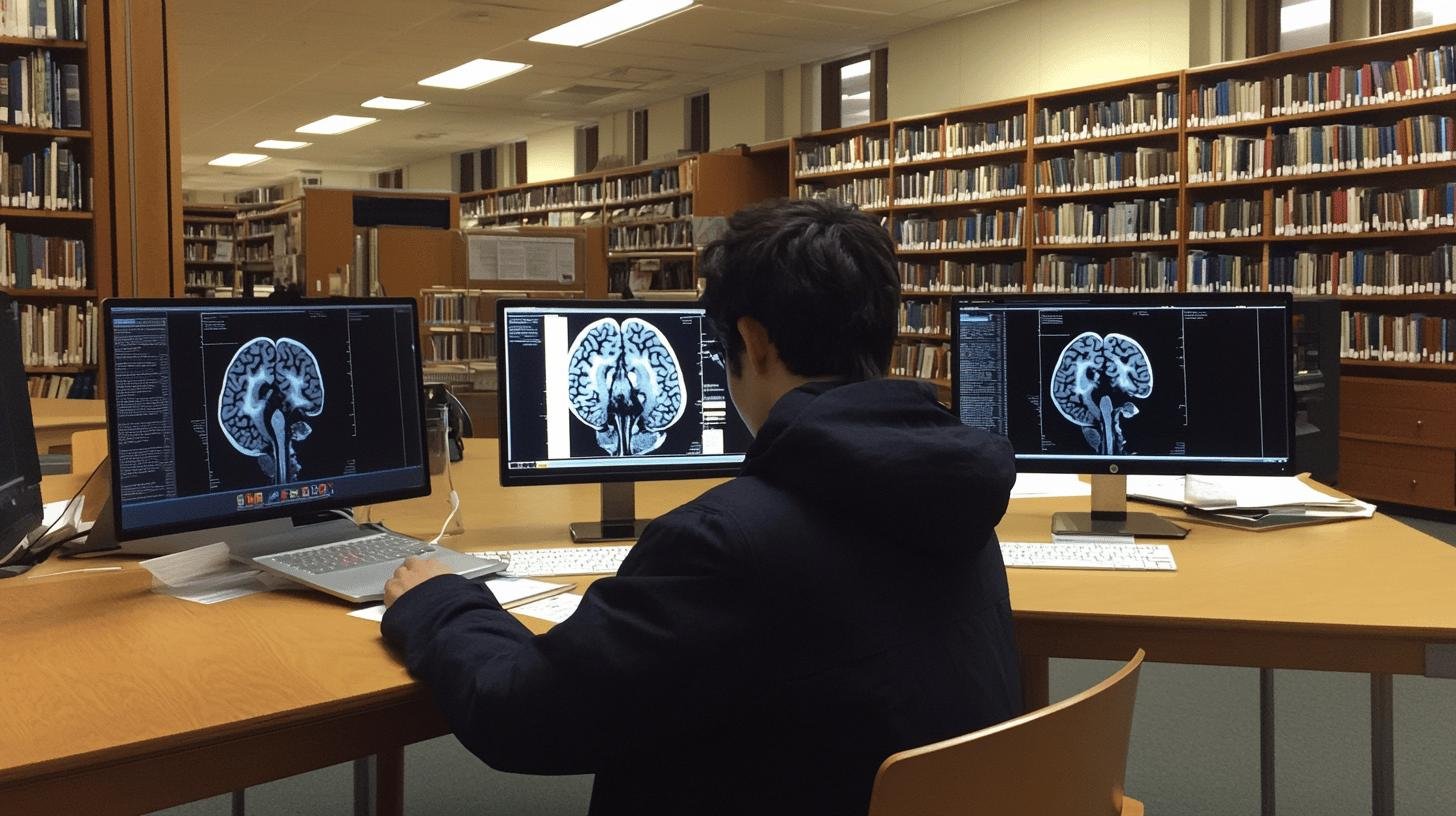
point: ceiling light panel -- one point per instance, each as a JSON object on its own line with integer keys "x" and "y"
{"x": 390, "y": 103}
{"x": 473, "y": 74}
{"x": 605, "y": 23}
{"x": 336, "y": 124}
{"x": 238, "y": 160}
{"x": 281, "y": 144}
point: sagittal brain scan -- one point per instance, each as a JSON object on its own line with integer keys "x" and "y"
{"x": 1096, "y": 380}
{"x": 270, "y": 391}
{"x": 625, "y": 383}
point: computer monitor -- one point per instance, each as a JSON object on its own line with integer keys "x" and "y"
{"x": 1118, "y": 384}
{"x": 225, "y": 413}
{"x": 613, "y": 392}
{"x": 20, "y": 504}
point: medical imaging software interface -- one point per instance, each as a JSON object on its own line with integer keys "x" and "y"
{"x": 224, "y": 412}
{"x": 618, "y": 387}
{"x": 1087, "y": 381}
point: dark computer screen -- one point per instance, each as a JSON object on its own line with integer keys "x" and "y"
{"x": 20, "y": 505}
{"x": 1129, "y": 383}
{"x": 613, "y": 391}
{"x": 225, "y": 413}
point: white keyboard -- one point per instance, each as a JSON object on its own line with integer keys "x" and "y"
{"x": 561, "y": 560}
{"x": 1082, "y": 552}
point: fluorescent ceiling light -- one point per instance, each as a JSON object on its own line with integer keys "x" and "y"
{"x": 855, "y": 69}
{"x": 390, "y": 103}
{"x": 281, "y": 144}
{"x": 336, "y": 124}
{"x": 1304, "y": 15}
{"x": 608, "y": 22}
{"x": 238, "y": 160}
{"x": 473, "y": 73}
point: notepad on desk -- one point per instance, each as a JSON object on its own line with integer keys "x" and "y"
{"x": 1249, "y": 502}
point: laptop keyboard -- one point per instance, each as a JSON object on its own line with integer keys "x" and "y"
{"x": 358, "y": 552}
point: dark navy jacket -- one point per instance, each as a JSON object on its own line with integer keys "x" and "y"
{"x": 766, "y": 646}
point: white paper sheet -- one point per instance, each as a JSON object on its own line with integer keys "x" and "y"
{"x": 1218, "y": 492}
{"x": 556, "y": 609}
{"x": 1042, "y": 485}
{"x": 205, "y": 575}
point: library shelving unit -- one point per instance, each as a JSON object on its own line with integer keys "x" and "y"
{"x": 210, "y": 249}
{"x": 1331, "y": 169}
{"x": 56, "y": 243}
{"x": 270, "y": 236}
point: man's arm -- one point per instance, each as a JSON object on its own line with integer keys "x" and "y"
{"x": 648, "y": 655}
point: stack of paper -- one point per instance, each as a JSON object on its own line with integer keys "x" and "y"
{"x": 1268, "y": 500}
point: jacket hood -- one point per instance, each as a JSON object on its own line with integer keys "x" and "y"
{"x": 886, "y": 454}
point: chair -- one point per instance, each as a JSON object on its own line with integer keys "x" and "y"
{"x": 1067, "y": 759}
{"x": 88, "y": 448}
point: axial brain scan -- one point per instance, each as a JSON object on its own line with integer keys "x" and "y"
{"x": 626, "y": 384}
{"x": 1094, "y": 385}
{"x": 269, "y": 391}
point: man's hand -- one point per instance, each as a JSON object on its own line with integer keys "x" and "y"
{"x": 413, "y": 572}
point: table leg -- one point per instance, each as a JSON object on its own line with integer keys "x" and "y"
{"x": 1382, "y": 745}
{"x": 379, "y": 784}
{"x": 1035, "y": 682}
{"x": 1266, "y": 742}
{"x": 240, "y": 805}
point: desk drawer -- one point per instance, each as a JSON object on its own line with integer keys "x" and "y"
{"x": 1422, "y": 412}
{"x": 1425, "y": 477}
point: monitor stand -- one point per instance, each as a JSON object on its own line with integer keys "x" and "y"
{"x": 619, "y": 517}
{"x": 1109, "y": 514}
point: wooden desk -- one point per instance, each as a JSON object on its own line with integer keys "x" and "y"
{"x": 57, "y": 419}
{"x": 137, "y": 701}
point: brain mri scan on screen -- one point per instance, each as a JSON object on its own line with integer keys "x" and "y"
{"x": 271, "y": 390}
{"x": 626, "y": 383}
{"x": 1095, "y": 384}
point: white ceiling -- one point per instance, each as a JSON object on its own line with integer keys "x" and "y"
{"x": 256, "y": 70}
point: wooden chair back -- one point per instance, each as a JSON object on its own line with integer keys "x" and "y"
{"x": 88, "y": 448}
{"x": 1067, "y": 759}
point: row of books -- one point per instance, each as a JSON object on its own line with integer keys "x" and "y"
{"x": 980, "y": 228}
{"x": 918, "y": 359}
{"x": 457, "y": 347}
{"x": 959, "y": 139}
{"x": 453, "y": 307}
{"x": 1095, "y": 223}
{"x": 869, "y": 191}
{"x": 224, "y": 232}
{"x": 675, "y": 235}
{"x": 42, "y": 261}
{"x": 1227, "y": 218}
{"x": 1366, "y": 272}
{"x": 1364, "y": 209}
{"x": 1137, "y": 112}
{"x": 1424, "y": 72}
{"x": 211, "y": 278}
{"x": 1214, "y": 272}
{"x": 219, "y": 251}
{"x": 1138, "y": 272}
{"x": 851, "y": 153}
{"x": 1409, "y": 338}
{"x": 47, "y": 179}
{"x": 44, "y": 19}
{"x": 576, "y": 194}
{"x": 658, "y": 181}
{"x": 1114, "y": 170}
{"x": 36, "y": 91}
{"x": 1225, "y": 157}
{"x": 653, "y": 211}
{"x": 953, "y": 276}
{"x": 924, "y": 317}
{"x": 960, "y": 184}
{"x": 58, "y": 335}
{"x": 1335, "y": 147}
{"x": 62, "y": 386}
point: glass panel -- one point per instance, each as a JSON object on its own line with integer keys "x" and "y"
{"x": 1303, "y": 23}
{"x": 1433, "y": 12}
{"x": 854, "y": 93}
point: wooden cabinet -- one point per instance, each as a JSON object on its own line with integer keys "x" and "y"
{"x": 1398, "y": 441}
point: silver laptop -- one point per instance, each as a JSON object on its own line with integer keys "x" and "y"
{"x": 357, "y": 568}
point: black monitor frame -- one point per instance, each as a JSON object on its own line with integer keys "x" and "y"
{"x": 527, "y": 478}
{"x": 124, "y": 533}
{"x": 25, "y": 497}
{"x": 1132, "y": 465}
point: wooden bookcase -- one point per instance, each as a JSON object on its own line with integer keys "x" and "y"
{"x": 269, "y": 246}
{"x": 210, "y": 249}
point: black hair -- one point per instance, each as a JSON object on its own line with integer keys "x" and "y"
{"x": 819, "y": 276}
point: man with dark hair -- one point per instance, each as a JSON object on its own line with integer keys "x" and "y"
{"x": 767, "y": 645}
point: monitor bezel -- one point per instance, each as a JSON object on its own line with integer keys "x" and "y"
{"x": 549, "y": 476}
{"x": 1129, "y": 466}
{"x": 124, "y": 533}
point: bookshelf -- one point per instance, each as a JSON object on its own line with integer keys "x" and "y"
{"x": 210, "y": 255}
{"x": 54, "y": 240}
{"x": 270, "y": 245}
